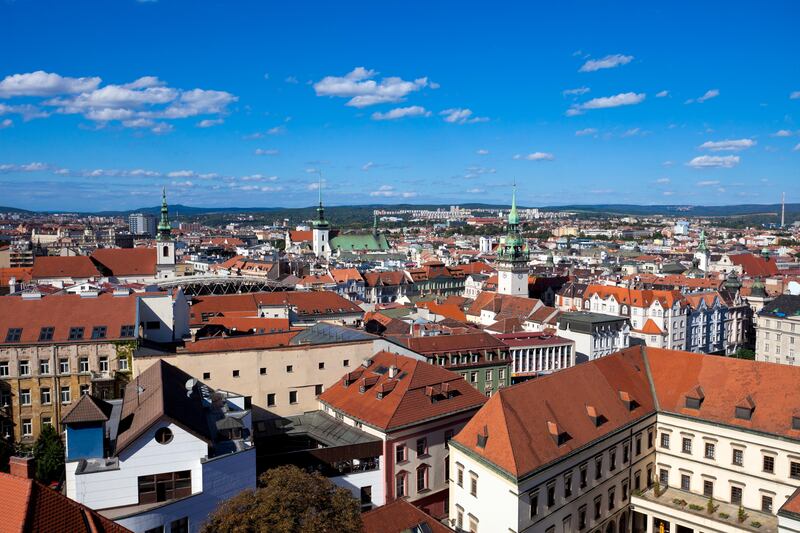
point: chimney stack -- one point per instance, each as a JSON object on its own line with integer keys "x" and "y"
{"x": 21, "y": 467}
{"x": 392, "y": 372}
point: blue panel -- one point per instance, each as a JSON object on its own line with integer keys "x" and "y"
{"x": 84, "y": 442}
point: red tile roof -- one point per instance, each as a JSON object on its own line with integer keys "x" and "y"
{"x": 239, "y": 343}
{"x": 64, "y": 311}
{"x": 443, "y": 344}
{"x": 27, "y": 505}
{"x": 411, "y": 400}
{"x": 126, "y": 261}
{"x": 81, "y": 266}
{"x": 343, "y": 275}
{"x": 398, "y": 517}
{"x": 635, "y": 297}
{"x": 391, "y": 278}
{"x": 755, "y": 266}
{"x": 301, "y": 236}
{"x": 510, "y": 306}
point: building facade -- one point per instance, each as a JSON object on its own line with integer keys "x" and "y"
{"x": 778, "y": 331}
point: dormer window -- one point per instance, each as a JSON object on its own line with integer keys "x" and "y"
{"x": 13, "y": 334}
{"x": 483, "y": 437}
{"x": 596, "y": 418}
{"x": 628, "y": 400}
{"x": 694, "y": 398}
{"x": 559, "y": 435}
{"x": 745, "y": 408}
{"x": 796, "y": 421}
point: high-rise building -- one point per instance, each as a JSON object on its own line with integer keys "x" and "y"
{"x": 142, "y": 224}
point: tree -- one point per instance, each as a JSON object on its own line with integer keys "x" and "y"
{"x": 744, "y": 353}
{"x": 289, "y": 500}
{"x": 48, "y": 453}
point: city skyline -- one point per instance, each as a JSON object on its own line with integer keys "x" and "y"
{"x": 435, "y": 105}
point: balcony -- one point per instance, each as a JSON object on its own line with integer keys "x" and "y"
{"x": 687, "y": 512}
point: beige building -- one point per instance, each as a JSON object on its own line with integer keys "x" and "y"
{"x": 778, "y": 331}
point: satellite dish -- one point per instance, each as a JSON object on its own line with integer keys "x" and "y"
{"x": 794, "y": 288}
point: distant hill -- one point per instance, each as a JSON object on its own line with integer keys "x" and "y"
{"x": 4, "y": 209}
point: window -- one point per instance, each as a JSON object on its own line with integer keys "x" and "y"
{"x": 488, "y": 376}
{"x": 180, "y": 525}
{"x": 650, "y": 439}
{"x": 13, "y": 334}
{"x": 262, "y": 371}
{"x": 75, "y": 333}
{"x": 122, "y": 364}
{"x": 46, "y": 333}
{"x": 769, "y": 464}
{"x": 665, "y": 440}
{"x": 473, "y": 524}
{"x": 637, "y": 480}
{"x": 686, "y": 445}
{"x": 3, "y": 368}
{"x": 271, "y": 399}
{"x": 638, "y": 445}
{"x": 473, "y": 484}
{"x": 711, "y": 450}
{"x": 663, "y": 477}
{"x": 63, "y": 366}
{"x": 501, "y": 374}
{"x": 44, "y": 366}
{"x": 551, "y": 494}
{"x": 612, "y": 502}
{"x": 47, "y": 421}
{"x": 738, "y": 457}
{"x": 459, "y": 517}
{"x": 582, "y": 517}
{"x": 289, "y": 369}
{"x": 598, "y": 467}
{"x": 127, "y": 330}
{"x": 624, "y": 490}
{"x": 163, "y": 435}
{"x": 292, "y": 396}
{"x": 104, "y": 364}
{"x": 708, "y": 488}
{"x": 794, "y": 470}
{"x": 533, "y": 497}
{"x": 66, "y": 395}
{"x": 598, "y": 505}
{"x": 568, "y": 485}
{"x": 153, "y": 324}
{"x": 766, "y": 503}
{"x": 99, "y": 332}
{"x": 686, "y": 482}
{"x": 165, "y": 487}
{"x": 625, "y": 453}
{"x": 366, "y": 498}
{"x": 422, "y": 447}
{"x": 25, "y": 396}
{"x": 400, "y": 481}
{"x": 24, "y": 368}
{"x": 422, "y": 478}
{"x": 235, "y": 373}
{"x": 46, "y": 398}
{"x": 612, "y": 460}
{"x": 459, "y": 475}
{"x": 206, "y": 375}
{"x": 736, "y": 495}
{"x": 346, "y": 362}
{"x": 27, "y": 427}
{"x": 83, "y": 366}
{"x": 317, "y": 390}
{"x": 473, "y": 377}
{"x": 400, "y": 453}
{"x": 583, "y": 475}
{"x": 84, "y": 389}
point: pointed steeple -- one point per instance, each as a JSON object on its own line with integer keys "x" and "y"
{"x": 702, "y": 246}
{"x": 513, "y": 217}
{"x": 164, "y": 227}
{"x": 320, "y": 223}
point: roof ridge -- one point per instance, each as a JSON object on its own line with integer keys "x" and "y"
{"x": 504, "y": 408}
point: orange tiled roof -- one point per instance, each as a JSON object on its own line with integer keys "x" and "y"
{"x": 80, "y": 266}
{"x": 343, "y": 275}
{"x": 301, "y": 236}
{"x": 755, "y": 266}
{"x": 635, "y": 297}
{"x": 21, "y": 274}
{"x": 126, "y": 261}
{"x": 399, "y": 516}
{"x": 651, "y": 328}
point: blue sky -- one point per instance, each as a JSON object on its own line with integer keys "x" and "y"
{"x": 243, "y": 103}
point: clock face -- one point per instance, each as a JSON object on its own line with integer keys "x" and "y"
{"x": 519, "y": 276}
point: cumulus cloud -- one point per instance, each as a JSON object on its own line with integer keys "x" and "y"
{"x": 536, "y": 156}
{"x": 782, "y": 133}
{"x": 362, "y": 90}
{"x": 475, "y": 191}
{"x": 794, "y": 95}
{"x": 712, "y": 161}
{"x": 266, "y": 151}
{"x": 621, "y": 99}
{"x": 663, "y": 180}
{"x": 6, "y": 123}
{"x": 796, "y": 148}
{"x": 586, "y": 131}
{"x": 461, "y": 116}
{"x": 576, "y": 92}
{"x": 210, "y": 122}
{"x": 707, "y": 183}
{"x": 729, "y": 145}
{"x": 388, "y": 191}
{"x": 709, "y": 94}
{"x": 42, "y": 83}
{"x": 482, "y": 151}
{"x": 662, "y": 94}
{"x": 610, "y": 61}
{"x": 402, "y": 112}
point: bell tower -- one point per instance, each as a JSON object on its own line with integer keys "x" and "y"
{"x": 320, "y": 231}
{"x": 512, "y": 257}
{"x": 165, "y": 245}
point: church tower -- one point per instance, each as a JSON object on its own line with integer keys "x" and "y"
{"x": 165, "y": 246}
{"x": 512, "y": 257}
{"x": 701, "y": 256}
{"x": 320, "y": 242}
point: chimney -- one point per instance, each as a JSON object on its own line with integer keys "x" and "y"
{"x": 392, "y": 372}
{"x": 21, "y": 467}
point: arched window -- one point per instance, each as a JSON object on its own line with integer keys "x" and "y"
{"x": 165, "y": 251}
{"x": 401, "y": 490}
{"x": 422, "y": 477}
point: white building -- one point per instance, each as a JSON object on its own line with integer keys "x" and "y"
{"x": 595, "y": 335}
{"x": 512, "y": 257}
{"x": 164, "y": 457}
{"x": 645, "y": 440}
{"x": 778, "y": 331}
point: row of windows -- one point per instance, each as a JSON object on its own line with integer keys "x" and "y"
{"x": 46, "y": 397}
{"x": 13, "y": 335}
{"x": 737, "y": 455}
{"x": 289, "y": 369}
{"x": 273, "y": 402}
{"x": 736, "y": 495}
{"x": 24, "y": 366}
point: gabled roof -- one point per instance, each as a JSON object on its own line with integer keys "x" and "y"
{"x": 87, "y": 409}
{"x": 390, "y": 278}
{"x": 301, "y": 235}
{"x": 651, "y": 328}
{"x": 80, "y": 266}
{"x": 161, "y": 392}
{"x": 510, "y": 306}
{"x": 754, "y": 265}
{"x": 636, "y": 297}
{"x": 343, "y": 275}
{"x": 400, "y": 516}
{"x": 413, "y": 398}
{"x": 443, "y": 344}
{"x": 125, "y": 261}
{"x": 27, "y": 505}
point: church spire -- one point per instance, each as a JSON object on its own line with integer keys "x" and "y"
{"x": 320, "y": 222}
{"x": 164, "y": 227}
{"x": 513, "y": 217}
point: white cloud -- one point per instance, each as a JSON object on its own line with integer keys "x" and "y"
{"x": 586, "y": 131}
{"x": 259, "y": 177}
{"x": 182, "y": 174}
{"x": 461, "y": 116}
{"x": 6, "y": 123}
{"x": 782, "y": 133}
{"x": 401, "y": 112}
{"x": 536, "y": 156}
{"x": 210, "y": 122}
{"x": 576, "y": 92}
{"x": 162, "y": 127}
{"x": 663, "y": 180}
{"x": 728, "y": 145}
{"x": 42, "y": 83}
{"x": 662, "y": 94}
{"x": 367, "y": 166}
{"x": 475, "y": 191}
{"x": 621, "y": 99}
{"x": 277, "y": 130}
{"x": 362, "y": 91}
{"x": 796, "y": 148}
{"x": 711, "y": 161}
{"x": 291, "y": 79}
{"x": 711, "y": 93}
{"x": 707, "y": 183}
{"x": 186, "y": 183}
{"x": 266, "y": 151}
{"x": 794, "y": 95}
{"x": 482, "y": 151}
{"x": 388, "y": 191}
{"x": 668, "y": 193}
{"x": 476, "y": 171}
{"x": 610, "y": 61}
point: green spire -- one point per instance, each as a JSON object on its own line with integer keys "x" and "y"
{"x": 513, "y": 217}
{"x": 164, "y": 227}
{"x": 514, "y": 247}
{"x": 320, "y": 223}
{"x": 702, "y": 247}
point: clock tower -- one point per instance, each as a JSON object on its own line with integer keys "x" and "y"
{"x": 165, "y": 245}
{"x": 320, "y": 231}
{"x": 512, "y": 257}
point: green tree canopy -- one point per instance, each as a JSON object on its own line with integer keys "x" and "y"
{"x": 289, "y": 500}
{"x": 48, "y": 452}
